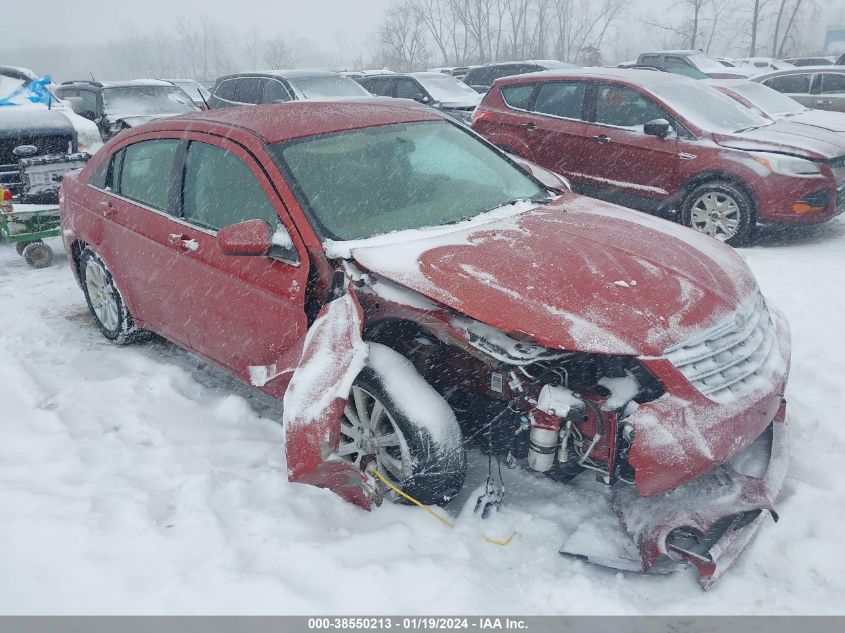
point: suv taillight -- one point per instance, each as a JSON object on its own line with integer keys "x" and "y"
{"x": 480, "y": 115}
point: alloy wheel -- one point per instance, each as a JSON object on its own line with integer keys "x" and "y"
{"x": 101, "y": 294}
{"x": 716, "y": 214}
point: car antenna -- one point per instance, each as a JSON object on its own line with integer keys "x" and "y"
{"x": 202, "y": 96}
{"x": 92, "y": 77}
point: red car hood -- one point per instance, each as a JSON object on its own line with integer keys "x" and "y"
{"x": 576, "y": 274}
{"x": 789, "y": 137}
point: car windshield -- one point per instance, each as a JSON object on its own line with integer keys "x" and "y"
{"x": 328, "y": 87}
{"x": 194, "y": 89}
{"x": 377, "y": 180}
{"x": 770, "y": 101}
{"x": 707, "y": 108}
{"x": 706, "y": 64}
{"x": 446, "y": 87}
{"x": 143, "y": 100}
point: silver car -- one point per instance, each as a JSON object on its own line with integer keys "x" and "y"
{"x": 820, "y": 87}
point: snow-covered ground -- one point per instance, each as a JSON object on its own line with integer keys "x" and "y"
{"x": 139, "y": 480}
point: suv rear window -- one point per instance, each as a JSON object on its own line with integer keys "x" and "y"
{"x": 799, "y": 84}
{"x": 518, "y": 96}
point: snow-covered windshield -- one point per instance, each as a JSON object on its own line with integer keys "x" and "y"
{"x": 706, "y": 64}
{"x": 770, "y": 101}
{"x": 707, "y": 108}
{"x": 445, "y": 87}
{"x": 368, "y": 182}
{"x": 9, "y": 84}
{"x": 328, "y": 87}
{"x": 144, "y": 100}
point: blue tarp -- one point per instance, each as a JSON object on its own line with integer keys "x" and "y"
{"x": 37, "y": 91}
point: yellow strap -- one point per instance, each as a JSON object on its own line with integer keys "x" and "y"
{"x": 442, "y": 519}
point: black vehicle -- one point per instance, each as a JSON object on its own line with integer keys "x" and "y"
{"x": 117, "y": 105}
{"x": 444, "y": 92}
{"x": 480, "y": 78}
{"x": 279, "y": 86}
{"x": 689, "y": 63}
{"x": 811, "y": 61}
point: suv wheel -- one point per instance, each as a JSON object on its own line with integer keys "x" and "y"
{"x": 376, "y": 430}
{"x": 721, "y": 210}
{"x": 105, "y": 301}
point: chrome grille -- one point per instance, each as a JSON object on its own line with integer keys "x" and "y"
{"x": 729, "y": 359}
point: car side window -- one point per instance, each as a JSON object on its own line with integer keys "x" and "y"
{"x": 275, "y": 92}
{"x": 518, "y": 96}
{"x": 650, "y": 60}
{"x": 407, "y": 88}
{"x": 380, "y": 87}
{"x": 98, "y": 178}
{"x": 563, "y": 99}
{"x": 623, "y": 107}
{"x": 226, "y": 90}
{"x": 793, "y": 84}
{"x": 145, "y": 175}
{"x": 250, "y": 90}
{"x": 833, "y": 83}
{"x": 680, "y": 66}
{"x": 220, "y": 190}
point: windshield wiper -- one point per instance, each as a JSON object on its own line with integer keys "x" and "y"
{"x": 753, "y": 127}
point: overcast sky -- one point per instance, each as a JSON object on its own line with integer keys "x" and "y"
{"x": 44, "y": 21}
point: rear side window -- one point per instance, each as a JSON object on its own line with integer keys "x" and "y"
{"x": 146, "y": 173}
{"x": 407, "y": 88}
{"x": 220, "y": 190}
{"x": 518, "y": 96}
{"x": 796, "y": 84}
{"x": 623, "y": 107}
{"x": 563, "y": 99}
{"x": 833, "y": 83}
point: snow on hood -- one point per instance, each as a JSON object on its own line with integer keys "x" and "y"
{"x": 822, "y": 119}
{"x": 577, "y": 274}
{"x": 786, "y": 136}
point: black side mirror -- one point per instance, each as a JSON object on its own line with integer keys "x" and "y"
{"x": 658, "y": 127}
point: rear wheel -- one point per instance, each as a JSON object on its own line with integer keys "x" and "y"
{"x": 105, "y": 301}
{"x": 721, "y": 210}
{"x": 376, "y": 432}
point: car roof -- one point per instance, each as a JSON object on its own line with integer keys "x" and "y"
{"x": 680, "y": 51}
{"x": 295, "y": 119}
{"x": 637, "y": 76}
{"x": 117, "y": 84}
{"x": 282, "y": 74}
{"x": 800, "y": 70}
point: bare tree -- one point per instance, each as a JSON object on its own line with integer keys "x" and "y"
{"x": 402, "y": 37}
{"x": 278, "y": 53}
{"x": 252, "y": 44}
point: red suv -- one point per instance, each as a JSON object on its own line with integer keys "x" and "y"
{"x": 660, "y": 142}
{"x": 406, "y": 287}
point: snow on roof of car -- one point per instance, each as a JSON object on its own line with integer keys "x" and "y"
{"x": 295, "y": 119}
{"x": 800, "y": 70}
{"x": 639, "y": 76}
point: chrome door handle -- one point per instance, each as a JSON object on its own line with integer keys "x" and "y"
{"x": 182, "y": 242}
{"x": 601, "y": 138}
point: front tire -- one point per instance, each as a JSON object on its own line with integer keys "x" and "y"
{"x": 379, "y": 429}
{"x": 721, "y": 210}
{"x": 105, "y": 301}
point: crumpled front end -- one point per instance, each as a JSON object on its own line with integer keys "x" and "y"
{"x": 709, "y": 456}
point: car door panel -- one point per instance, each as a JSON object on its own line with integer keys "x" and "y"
{"x": 246, "y": 312}
{"x": 624, "y": 163}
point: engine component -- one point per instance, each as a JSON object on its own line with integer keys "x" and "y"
{"x": 543, "y": 440}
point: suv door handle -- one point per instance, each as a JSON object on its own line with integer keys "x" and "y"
{"x": 529, "y": 127}
{"x": 601, "y": 138}
{"x": 824, "y": 102}
{"x": 182, "y": 242}
{"x": 106, "y": 207}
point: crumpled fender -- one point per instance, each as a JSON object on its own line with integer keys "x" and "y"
{"x": 333, "y": 354}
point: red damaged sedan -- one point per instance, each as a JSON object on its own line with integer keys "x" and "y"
{"x": 409, "y": 291}
{"x": 659, "y": 142}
